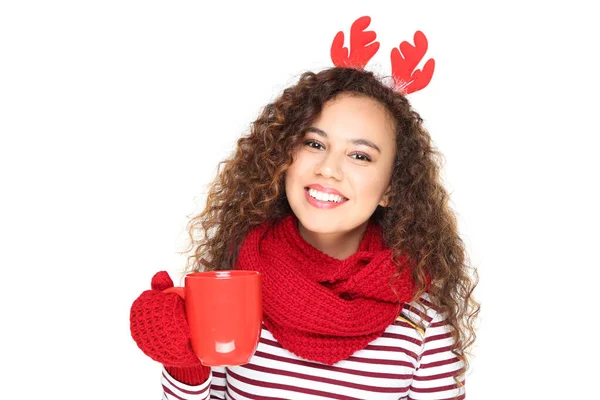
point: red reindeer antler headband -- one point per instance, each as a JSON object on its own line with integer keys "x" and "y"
{"x": 407, "y": 79}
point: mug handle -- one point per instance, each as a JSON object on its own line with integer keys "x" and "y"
{"x": 177, "y": 290}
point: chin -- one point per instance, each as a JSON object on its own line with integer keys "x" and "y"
{"x": 319, "y": 224}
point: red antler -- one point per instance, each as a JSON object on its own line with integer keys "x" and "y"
{"x": 402, "y": 67}
{"x": 360, "y": 49}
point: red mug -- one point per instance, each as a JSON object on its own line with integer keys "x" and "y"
{"x": 224, "y": 311}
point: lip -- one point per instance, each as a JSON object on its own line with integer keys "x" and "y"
{"x": 327, "y": 190}
{"x": 321, "y": 204}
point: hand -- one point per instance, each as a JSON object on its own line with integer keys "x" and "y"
{"x": 159, "y": 325}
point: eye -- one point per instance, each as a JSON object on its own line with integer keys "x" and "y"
{"x": 366, "y": 158}
{"x": 309, "y": 142}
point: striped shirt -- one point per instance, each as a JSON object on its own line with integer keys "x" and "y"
{"x": 404, "y": 363}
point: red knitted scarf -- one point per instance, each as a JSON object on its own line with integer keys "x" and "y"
{"x": 316, "y": 306}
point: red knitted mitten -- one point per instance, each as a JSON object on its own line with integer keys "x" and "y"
{"x": 159, "y": 327}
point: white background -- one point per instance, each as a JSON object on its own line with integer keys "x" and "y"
{"x": 114, "y": 115}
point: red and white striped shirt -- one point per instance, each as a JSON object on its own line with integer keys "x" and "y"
{"x": 403, "y": 363}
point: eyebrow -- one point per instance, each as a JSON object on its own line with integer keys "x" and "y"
{"x": 353, "y": 141}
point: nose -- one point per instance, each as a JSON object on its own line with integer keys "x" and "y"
{"x": 329, "y": 167}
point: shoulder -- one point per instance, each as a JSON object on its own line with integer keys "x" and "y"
{"x": 420, "y": 313}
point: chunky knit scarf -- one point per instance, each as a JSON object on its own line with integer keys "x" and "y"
{"x": 316, "y": 306}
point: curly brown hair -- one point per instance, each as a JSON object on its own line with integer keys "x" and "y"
{"x": 250, "y": 189}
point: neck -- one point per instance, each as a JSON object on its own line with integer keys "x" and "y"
{"x": 339, "y": 245}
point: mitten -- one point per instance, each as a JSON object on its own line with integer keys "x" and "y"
{"x": 159, "y": 327}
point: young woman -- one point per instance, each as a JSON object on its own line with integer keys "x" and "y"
{"x": 335, "y": 197}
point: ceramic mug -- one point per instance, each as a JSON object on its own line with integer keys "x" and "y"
{"x": 224, "y": 312}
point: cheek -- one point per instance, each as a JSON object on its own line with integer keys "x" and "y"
{"x": 298, "y": 168}
{"x": 292, "y": 176}
{"x": 371, "y": 185}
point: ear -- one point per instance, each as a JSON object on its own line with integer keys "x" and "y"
{"x": 385, "y": 200}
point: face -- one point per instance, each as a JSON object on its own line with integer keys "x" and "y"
{"x": 350, "y": 147}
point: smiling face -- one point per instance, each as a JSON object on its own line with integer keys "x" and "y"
{"x": 350, "y": 147}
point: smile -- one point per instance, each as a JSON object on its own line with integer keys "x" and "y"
{"x": 323, "y": 200}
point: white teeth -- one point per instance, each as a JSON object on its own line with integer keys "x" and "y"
{"x": 325, "y": 196}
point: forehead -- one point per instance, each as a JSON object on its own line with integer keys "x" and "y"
{"x": 357, "y": 117}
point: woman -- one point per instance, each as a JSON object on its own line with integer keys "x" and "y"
{"x": 335, "y": 196}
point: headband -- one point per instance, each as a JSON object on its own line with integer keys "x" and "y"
{"x": 404, "y": 59}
